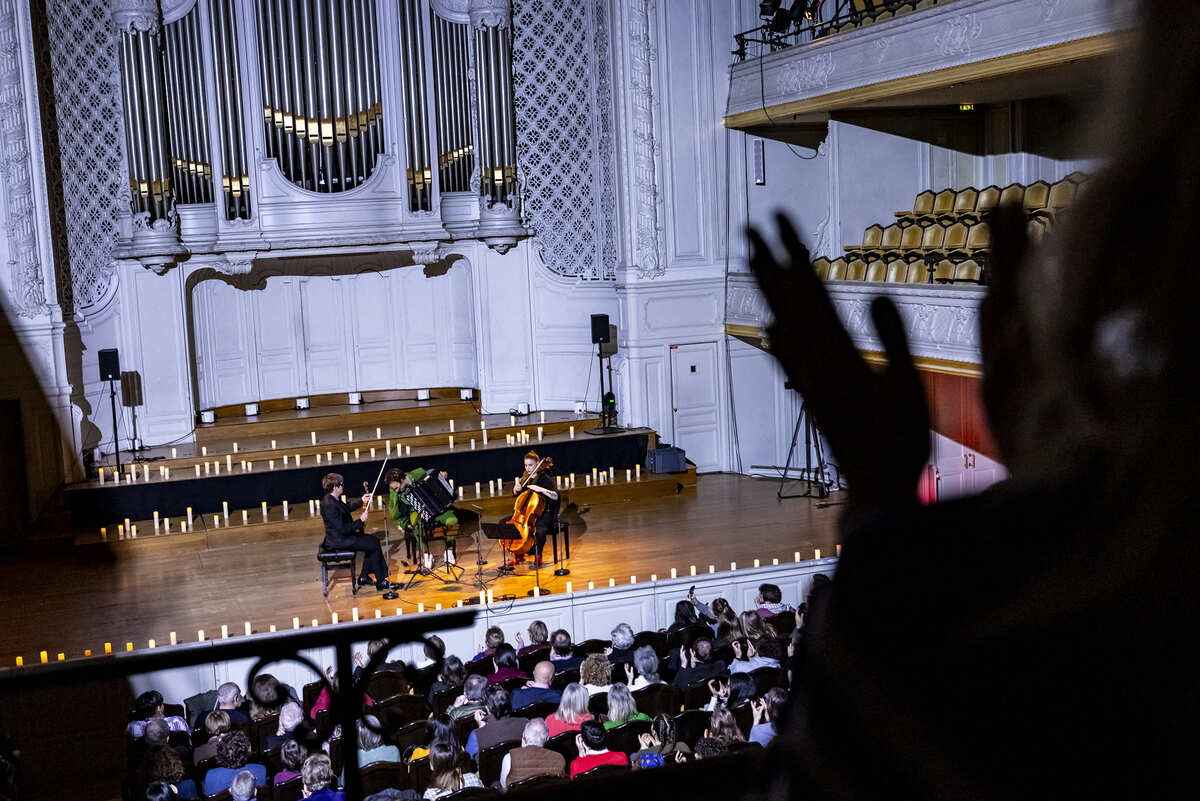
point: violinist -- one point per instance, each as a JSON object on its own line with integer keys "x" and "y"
{"x": 342, "y": 530}
{"x": 541, "y": 482}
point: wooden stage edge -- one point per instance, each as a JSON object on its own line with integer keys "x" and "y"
{"x": 68, "y": 603}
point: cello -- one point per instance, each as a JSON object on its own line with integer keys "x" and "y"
{"x": 526, "y": 510}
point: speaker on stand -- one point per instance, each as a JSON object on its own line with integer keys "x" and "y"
{"x": 604, "y": 336}
{"x": 110, "y": 371}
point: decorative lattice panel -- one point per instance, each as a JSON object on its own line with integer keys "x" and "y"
{"x": 563, "y": 99}
{"x": 87, "y": 99}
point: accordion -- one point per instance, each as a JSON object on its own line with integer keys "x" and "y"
{"x": 430, "y": 497}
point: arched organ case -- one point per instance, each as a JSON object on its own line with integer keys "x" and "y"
{"x": 257, "y": 125}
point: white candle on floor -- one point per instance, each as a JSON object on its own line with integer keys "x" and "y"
{"x": 272, "y": 628}
{"x": 417, "y": 431}
{"x": 354, "y": 613}
{"x": 101, "y": 475}
{"x": 103, "y": 533}
{"x": 572, "y": 432}
{"x": 216, "y": 521}
{"x": 512, "y": 419}
{"x": 189, "y": 516}
{"x": 249, "y": 467}
{"x": 477, "y": 489}
{"x": 388, "y": 448}
{"x": 228, "y": 463}
{"x": 485, "y": 437}
{"x": 204, "y": 450}
{"x": 264, "y": 510}
{"x": 472, "y": 443}
{"x": 285, "y": 460}
{"x": 146, "y": 475}
{"x": 408, "y": 450}
{"x": 492, "y": 488}
{"x": 120, "y": 531}
{"x": 460, "y": 493}
{"x": 587, "y": 481}
{"x": 612, "y": 582}
{"x": 356, "y": 453}
{"x": 628, "y": 476}
{"x": 174, "y": 453}
{"x": 349, "y": 435}
{"x": 558, "y": 482}
{"x": 733, "y": 565}
{"x": 315, "y": 623}
{"x": 379, "y": 501}
{"x": 314, "y": 437}
{"x": 537, "y": 591}
{"x": 654, "y": 577}
{"x": 167, "y": 473}
{"x": 797, "y": 556}
{"x": 378, "y": 614}
{"x": 775, "y": 560}
{"x": 270, "y": 464}
{"x": 155, "y": 521}
{"x": 539, "y": 433}
{"x": 756, "y": 563}
{"x": 312, "y": 508}
{"x": 225, "y": 509}
{"x": 637, "y": 472}
{"x": 451, "y": 426}
{"x": 197, "y": 471}
{"x": 543, "y": 417}
{"x": 235, "y": 446}
{"x": 318, "y": 458}
{"x": 378, "y": 432}
{"x": 174, "y": 639}
{"x": 133, "y": 531}
{"x": 166, "y": 525}
{"x": 595, "y": 473}
{"x": 633, "y": 579}
{"x": 451, "y": 442}
{"x": 245, "y": 517}
{"x": 372, "y": 453}
{"x": 217, "y": 467}
{"x": 207, "y": 468}
{"x": 285, "y": 510}
{"x": 345, "y": 456}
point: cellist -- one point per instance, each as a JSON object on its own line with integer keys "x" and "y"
{"x": 542, "y": 483}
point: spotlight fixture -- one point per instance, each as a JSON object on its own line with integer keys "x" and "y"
{"x": 767, "y": 8}
{"x": 780, "y": 22}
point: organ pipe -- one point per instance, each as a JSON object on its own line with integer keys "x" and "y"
{"x": 322, "y": 104}
{"x": 235, "y": 183}
{"x": 456, "y": 149}
{"x": 191, "y": 169}
{"x": 497, "y": 131}
{"x": 144, "y": 98}
{"x": 418, "y": 175}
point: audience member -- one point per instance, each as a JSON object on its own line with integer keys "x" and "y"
{"x": 317, "y": 777}
{"x": 731, "y": 692}
{"x": 162, "y": 763}
{"x": 621, "y": 707}
{"x": 753, "y": 626}
{"x": 290, "y": 716}
{"x": 230, "y": 701}
{"x": 661, "y": 741}
{"x": 532, "y": 758}
{"x": 491, "y": 638}
{"x": 562, "y": 653}
{"x": 768, "y": 716}
{"x": 243, "y": 786}
{"x": 452, "y": 676}
{"x": 432, "y": 652}
{"x": 371, "y": 747}
{"x": 722, "y": 726}
{"x": 722, "y": 612}
{"x": 496, "y": 722}
{"x": 572, "y": 710}
{"x": 645, "y": 662}
{"x": 696, "y": 663}
{"x": 595, "y": 674}
{"x": 592, "y": 750}
{"x": 709, "y": 747}
{"x": 155, "y": 791}
{"x": 149, "y": 705}
{"x": 438, "y": 729}
{"x": 158, "y": 733}
{"x": 267, "y": 697}
{"x": 471, "y": 701}
{"x": 397, "y": 666}
{"x": 769, "y": 601}
{"x": 538, "y": 690}
{"x": 323, "y": 697}
{"x": 685, "y": 616}
{"x": 749, "y": 656}
{"x": 446, "y": 773}
{"x": 621, "y": 651}
{"x": 216, "y": 723}
{"x": 291, "y": 755}
{"x": 232, "y": 754}
{"x": 504, "y": 663}
{"x": 538, "y": 638}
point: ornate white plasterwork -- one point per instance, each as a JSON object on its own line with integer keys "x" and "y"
{"x": 135, "y": 15}
{"x": 452, "y": 10}
{"x": 563, "y": 98}
{"x": 649, "y": 246}
{"x": 807, "y": 73}
{"x": 28, "y": 296}
{"x": 957, "y": 34}
{"x": 490, "y": 13}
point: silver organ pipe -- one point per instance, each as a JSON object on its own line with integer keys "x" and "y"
{"x": 497, "y": 132}
{"x": 419, "y": 174}
{"x": 144, "y": 97}
{"x": 456, "y": 148}
{"x": 188, "y": 140}
{"x": 323, "y": 108}
{"x": 235, "y": 182}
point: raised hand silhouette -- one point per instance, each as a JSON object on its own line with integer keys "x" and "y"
{"x": 876, "y": 421}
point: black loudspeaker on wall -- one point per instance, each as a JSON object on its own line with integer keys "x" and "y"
{"x": 110, "y": 365}
{"x": 599, "y": 328}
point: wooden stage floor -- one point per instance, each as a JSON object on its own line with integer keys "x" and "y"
{"x": 79, "y": 601}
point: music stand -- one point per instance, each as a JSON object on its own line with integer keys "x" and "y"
{"x": 421, "y": 570}
{"x": 501, "y": 531}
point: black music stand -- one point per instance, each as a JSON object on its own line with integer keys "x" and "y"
{"x": 421, "y": 570}
{"x": 501, "y": 531}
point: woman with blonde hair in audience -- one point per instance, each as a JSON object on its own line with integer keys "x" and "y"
{"x": 446, "y": 773}
{"x": 291, "y": 755}
{"x": 722, "y": 726}
{"x": 572, "y": 710}
{"x": 621, "y": 707}
{"x": 539, "y": 637}
{"x": 595, "y": 674}
{"x": 217, "y": 724}
{"x": 753, "y": 626}
{"x": 317, "y": 775}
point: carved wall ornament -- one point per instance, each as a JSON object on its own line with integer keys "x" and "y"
{"x": 452, "y": 10}
{"x": 490, "y": 13}
{"x": 956, "y": 35}
{"x": 648, "y": 226}
{"x": 880, "y": 47}
{"x": 806, "y": 74}
{"x": 1049, "y": 7}
{"x": 135, "y": 15}
{"x": 28, "y": 296}
{"x": 427, "y": 253}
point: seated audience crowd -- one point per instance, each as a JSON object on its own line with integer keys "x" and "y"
{"x": 713, "y": 682}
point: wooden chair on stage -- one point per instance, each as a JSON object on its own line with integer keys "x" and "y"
{"x": 334, "y": 559}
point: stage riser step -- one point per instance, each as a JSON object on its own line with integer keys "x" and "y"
{"x": 316, "y": 420}
{"x": 93, "y": 505}
{"x": 236, "y": 410}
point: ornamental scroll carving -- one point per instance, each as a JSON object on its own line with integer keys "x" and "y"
{"x": 135, "y": 15}
{"x": 956, "y": 35}
{"x": 648, "y": 241}
{"x": 806, "y": 74}
{"x": 28, "y": 295}
{"x": 490, "y": 13}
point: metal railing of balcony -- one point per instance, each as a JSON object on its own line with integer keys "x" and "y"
{"x": 809, "y": 20}
{"x": 346, "y": 700}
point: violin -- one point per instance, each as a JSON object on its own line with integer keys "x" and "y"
{"x": 527, "y": 508}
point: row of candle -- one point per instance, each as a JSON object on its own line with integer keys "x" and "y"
{"x": 485, "y": 597}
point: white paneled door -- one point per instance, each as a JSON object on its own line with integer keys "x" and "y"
{"x": 696, "y": 403}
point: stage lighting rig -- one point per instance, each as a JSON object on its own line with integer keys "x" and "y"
{"x": 767, "y": 8}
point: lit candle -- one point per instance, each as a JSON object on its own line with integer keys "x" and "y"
{"x": 460, "y": 493}
{"x": 174, "y": 453}
{"x": 285, "y": 460}
{"x": 314, "y": 437}
{"x": 571, "y": 483}
{"x": 204, "y": 450}
{"x": 417, "y": 430}
{"x": 207, "y": 468}
{"x": 838, "y": 549}
{"x": 591, "y": 585}
{"x": 245, "y": 517}
{"x": 537, "y": 591}
{"x": 558, "y": 482}
{"x": 408, "y": 450}
{"x": 166, "y": 525}
{"x": 611, "y": 472}
{"x": 378, "y": 432}
{"x": 225, "y": 509}
{"x": 151, "y": 643}
{"x": 512, "y": 419}
{"x": 174, "y": 639}
{"x": 315, "y": 623}
{"x": 349, "y": 435}
{"x": 490, "y": 597}
{"x": 103, "y": 533}
{"x": 101, "y": 481}
{"x": 398, "y": 612}
{"x": 312, "y": 507}
{"x": 146, "y": 475}
{"x": 539, "y": 433}
{"x": 200, "y": 635}
{"x": 712, "y": 568}
{"x": 482, "y": 597}
{"x": 452, "y": 426}
{"x": 356, "y": 453}
{"x": 492, "y": 488}
{"x": 243, "y": 465}
{"x": 477, "y": 489}
{"x": 120, "y": 531}
{"x": 378, "y": 501}
{"x": 133, "y": 531}
{"x": 797, "y": 556}
{"x": 485, "y": 437}
{"x": 572, "y": 432}
{"x": 197, "y": 470}
{"x": 372, "y": 453}
{"x": 235, "y": 446}
{"x": 295, "y": 623}
{"x": 472, "y": 443}
{"x": 133, "y": 471}
{"x": 108, "y": 647}
{"x": 20, "y": 662}
{"x": 451, "y": 442}
{"x": 335, "y": 618}
{"x": 318, "y": 458}
{"x": 167, "y": 473}
{"x": 569, "y": 588}
{"x": 217, "y": 467}
{"x": 816, "y": 553}
{"x": 387, "y": 451}
{"x": 128, "y": 646}
{"x": 437, "y": 606}
{"x": 654, "y": 577}
{"x": 637, "y": 472}
{"x": 460, "y": 603}
{"x": 354, "y": 613}
{"x": 594, "y": 475}
{"x": 775, "y": 560}
{"x": 587, "y": 481}
{"x": 270, "y": 464}
{"x": 733, "y": 565}
{"x": 628, "y": 476}
{"x": 216, "y": 521}
{"x": 633, "y": 579}
{"x": 228, "y": 463}
{"x": 272, "y": 628}
{"x": 612, "y": 582}
{"x": 378, "y": 614}
{"x": 296, "y": 459}
{"x": 155, "y": 521}
{"x": 249, "y": 467}
{"x": 420, "y": 607}
{"x": 264, "y": 510}
{"x": 285, "y": 510}
{"x": 499, "y": 485}
{"x": 45, "y": 657}
{"x": 673, "y": 573}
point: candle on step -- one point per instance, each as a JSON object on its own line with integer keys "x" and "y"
{"x": 733, "y": 565}
{"x": 571, "y": 482}
{"x": 166, "y": 525}
{"x": 569, "y": 588}
{"x": 217, "y": 467}
{"x": 101, "y": 475}
{"x": 225, "y": 509}
{"x": 756, "y": 563}
{"x": 587, "y": 480}
{"x": 417, "y": 431}
{"x": 103, "y": 533}
{"x": 155, "y": 521}
{"x": 174, "y": 453}
{"x": 270, "y": 464}
{"x": 537, "y": 591}
{"x": 207, "y": 468}
{"x": 408, "y": 450}
{"x": 591, "y": 585}
{"x": 595, "y": 473}
{"x": 543, "y": 417}
{"x": 345, "y": 456}
{"x": 243, "y": 465}
{"x": 451, "y": 442}
{"x": 272, "y": 628}
{"x": 354, "y": 614}
{"x": 492, "y": 488}
{"x": 204, "y": 450}
{"x": 712, "y": 568}
{"x": 673, "y": 573}
{"x": 491, "y": 597}
{"x": 20, "y": 662}
{"x": 378, "y": 432}
{"x": 224, "y": 631}
{"x": 295, "y": 623}
{"x": 838, "y": 549}
{"x": 318, "y": 458}
{"x": 356, "y": 453}
{"x": 420, "y": 607}
{"x": 611, "y": 472}
{"x": 335, "y": 618}
{"x": 378, "y": 501}
{"x": 477, "y": 489}
{"x": 499, "y": 485}
{"x": 539, "y": 433}
{"x": 174, "y": 639}
{"x": 612, "y": 582}
{"x": 245, "y": 517}
{"x": 378, "y": 614}
{"x": 558, "y": 482}
{"x": 197, "y": 471}
{"x": 775, "y": 560}
{"x": 654, "y": 577}
{"x": 146, "y": 475}
{"x": 249, "y": 467}
{"x": 315, "y": 623}
{"x": 797, "y": 556}
{"x": 816, "y": 553}
{"x": 228, "y": 463}
{"x": 372, "y": 453}
{"x": 133, "y": 531}
{"x": 216, "y": 521}
{"x": 167, "y": 473}
{"x": 189, "y": 516}
{"x": 460, "y": 493}
{"x": 387, "y": 451}
{"x": 45, "y": 657}
{"x": 108, "y": 647}
{"x": 512, "y": 419}
{"x": 312, "y": 507}
{"x": 264, "y": 510}
{"x": 633, "y": 579}
{"x": 572, "y": 432}
{"x": 285, "y": 510}
{"x": 120, "y": 531}
{"x": 485, "y": 438}
{"x": 199, "y": 635}
{"x": 483, "y": 425}
{"x": 285, "y": 460}
{"x": 248, "y": 629}
{"x": 472, "y": 443}
{"x": 482, "y": 597}
{"x": 133, "y": 471}
{"x": 452, "y": 426}
{"x": 637, "y": 472}
{"x": 349, "y": 435}
{"x": 313, "y": 434}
